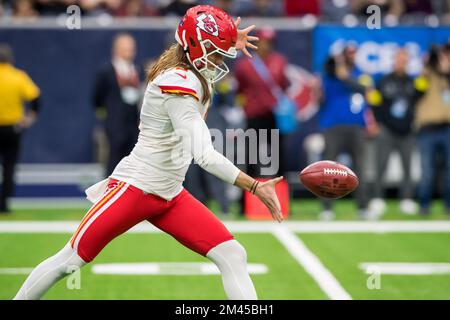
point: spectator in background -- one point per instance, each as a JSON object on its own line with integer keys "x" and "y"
{"x": 178, "y": 7}
{"x": 390, "y": 9}
{"x": 135, "y": 8}
{"x": 97, "y": 7}
{"x": 432, "y": 120}
{"x": 343, "y": 119}
{"x": 16, "y": 88}
{"x": 54, "y": 7}
{"x": 229, "y": 6}
{"x": 260, "y": 8}
{"x": 117, "y": 91}
{"x": 256, "y": 94}
{"x": 418, "y": 6}
{"x": 334, "y": 10}
{"x": 294, "y": 8}
{"x": 395, "y": 115}
{"x": 24, "y": 9}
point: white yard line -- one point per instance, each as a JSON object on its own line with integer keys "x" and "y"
{"x": 12, "y": 271}
{"x": 405, "y": 268}
{"x": 168, "y": 268}
{"x": 323, "y": 277}
{"x": 250, "y": 226}
{"x": 153, "y": 268}
{"x": 368, "y": 226}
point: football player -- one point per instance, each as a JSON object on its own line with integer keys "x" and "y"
{"x": 147, "y": 184}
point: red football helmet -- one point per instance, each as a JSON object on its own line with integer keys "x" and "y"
{"x": 203, "y": 31}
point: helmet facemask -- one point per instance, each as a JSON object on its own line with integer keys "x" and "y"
{"x": 207, "y": 68}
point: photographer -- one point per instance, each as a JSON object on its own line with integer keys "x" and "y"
{"x": 395, "y": 115}
{"x": 343, "y": 119}
{"x": 432, "y": 120}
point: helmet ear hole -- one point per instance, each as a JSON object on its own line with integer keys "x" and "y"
{"x": 192, "y": 42}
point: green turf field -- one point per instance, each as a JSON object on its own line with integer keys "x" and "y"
{"x": 288, "y": 276}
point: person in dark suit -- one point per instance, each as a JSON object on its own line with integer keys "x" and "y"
{"x": 19, "y": 108}
{"x": 117, "y": 91}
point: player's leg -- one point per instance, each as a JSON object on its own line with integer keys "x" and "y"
{"x": 446, "y": 142}
{"x": 196, "y": 227}
{"x": 48, "y": 272}
{"x": 333, "y": 146}
{"x": 383, "y": 148}
{"x": 426, "y": 142}
{"x": 357, "y": 150}
{"x": 406, "y": 148}
{"x": 109, "y": 217}
{"x": 10, "y": 151}
{"x": 231, "y": 259}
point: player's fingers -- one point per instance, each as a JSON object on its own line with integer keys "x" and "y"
{"x": 249, "y": 28}
{"x": 252, "y": 38}
{"x": 237, "y": 22}
{"x": 277, "y": 216}
{"x": 275, "y": 204}
{"x": 246, "y": 52}
{"x": 250, "y": 45}
{"x": 277, "y": 180}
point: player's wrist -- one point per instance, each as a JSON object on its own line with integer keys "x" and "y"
{"x": 254, "y": 186}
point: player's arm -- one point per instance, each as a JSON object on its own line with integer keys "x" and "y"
{"x": 189, "y": 124}
{"x": 31, "y": 95}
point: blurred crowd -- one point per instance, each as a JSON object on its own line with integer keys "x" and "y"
{"x": 400, "y": 113}
{"x": 347, "y": 11}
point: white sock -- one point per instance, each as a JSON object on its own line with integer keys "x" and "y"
{"x": 231, "y": 259}
{"x": 48, "y": 272}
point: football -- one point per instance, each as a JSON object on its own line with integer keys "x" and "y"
{"x": 329, "y": 179}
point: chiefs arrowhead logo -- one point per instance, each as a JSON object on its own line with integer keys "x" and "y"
{"x": 207, "y": 23}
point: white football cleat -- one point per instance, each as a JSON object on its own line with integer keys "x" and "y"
{"x": 377, "y": 206}
{"x": 327, "y": 215}
{"x": 367, "y": 214}
{"x": 408, "y": 207}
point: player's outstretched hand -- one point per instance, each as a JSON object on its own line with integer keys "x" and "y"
{"x": 243, "y": 39}
{"x": 266, "y": 192}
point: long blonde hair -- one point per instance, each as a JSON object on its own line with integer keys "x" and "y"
{"x": 174, "y": 57}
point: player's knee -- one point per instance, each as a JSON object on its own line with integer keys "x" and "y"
{"x": 67, "y": 260}
{"x": 237, "y": 252}
{"x": 230, "y": 251}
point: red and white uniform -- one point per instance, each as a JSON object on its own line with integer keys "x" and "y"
{"x": 147, "y": 184}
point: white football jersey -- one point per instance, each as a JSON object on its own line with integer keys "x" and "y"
{"x": 173, "y": 98}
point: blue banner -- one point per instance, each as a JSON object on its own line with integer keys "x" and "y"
{"x": 377, "y": 47}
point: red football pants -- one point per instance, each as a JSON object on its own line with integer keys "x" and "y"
{"x": 123, "y": 206}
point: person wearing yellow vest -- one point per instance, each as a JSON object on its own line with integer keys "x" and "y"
{"x": 432, "y": 121}
{"x": 16, "y": 89}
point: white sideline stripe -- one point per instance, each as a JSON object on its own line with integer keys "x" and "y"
{"x": 405, "y": 268}
{"x": 324, "y": 278}
{"x": 369, "y": 226}
{"x": 249, "y": 226}
{"x": 169, "y": 268}
{"x": 50, "y": 203}
{"x": 15, "y": 270}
